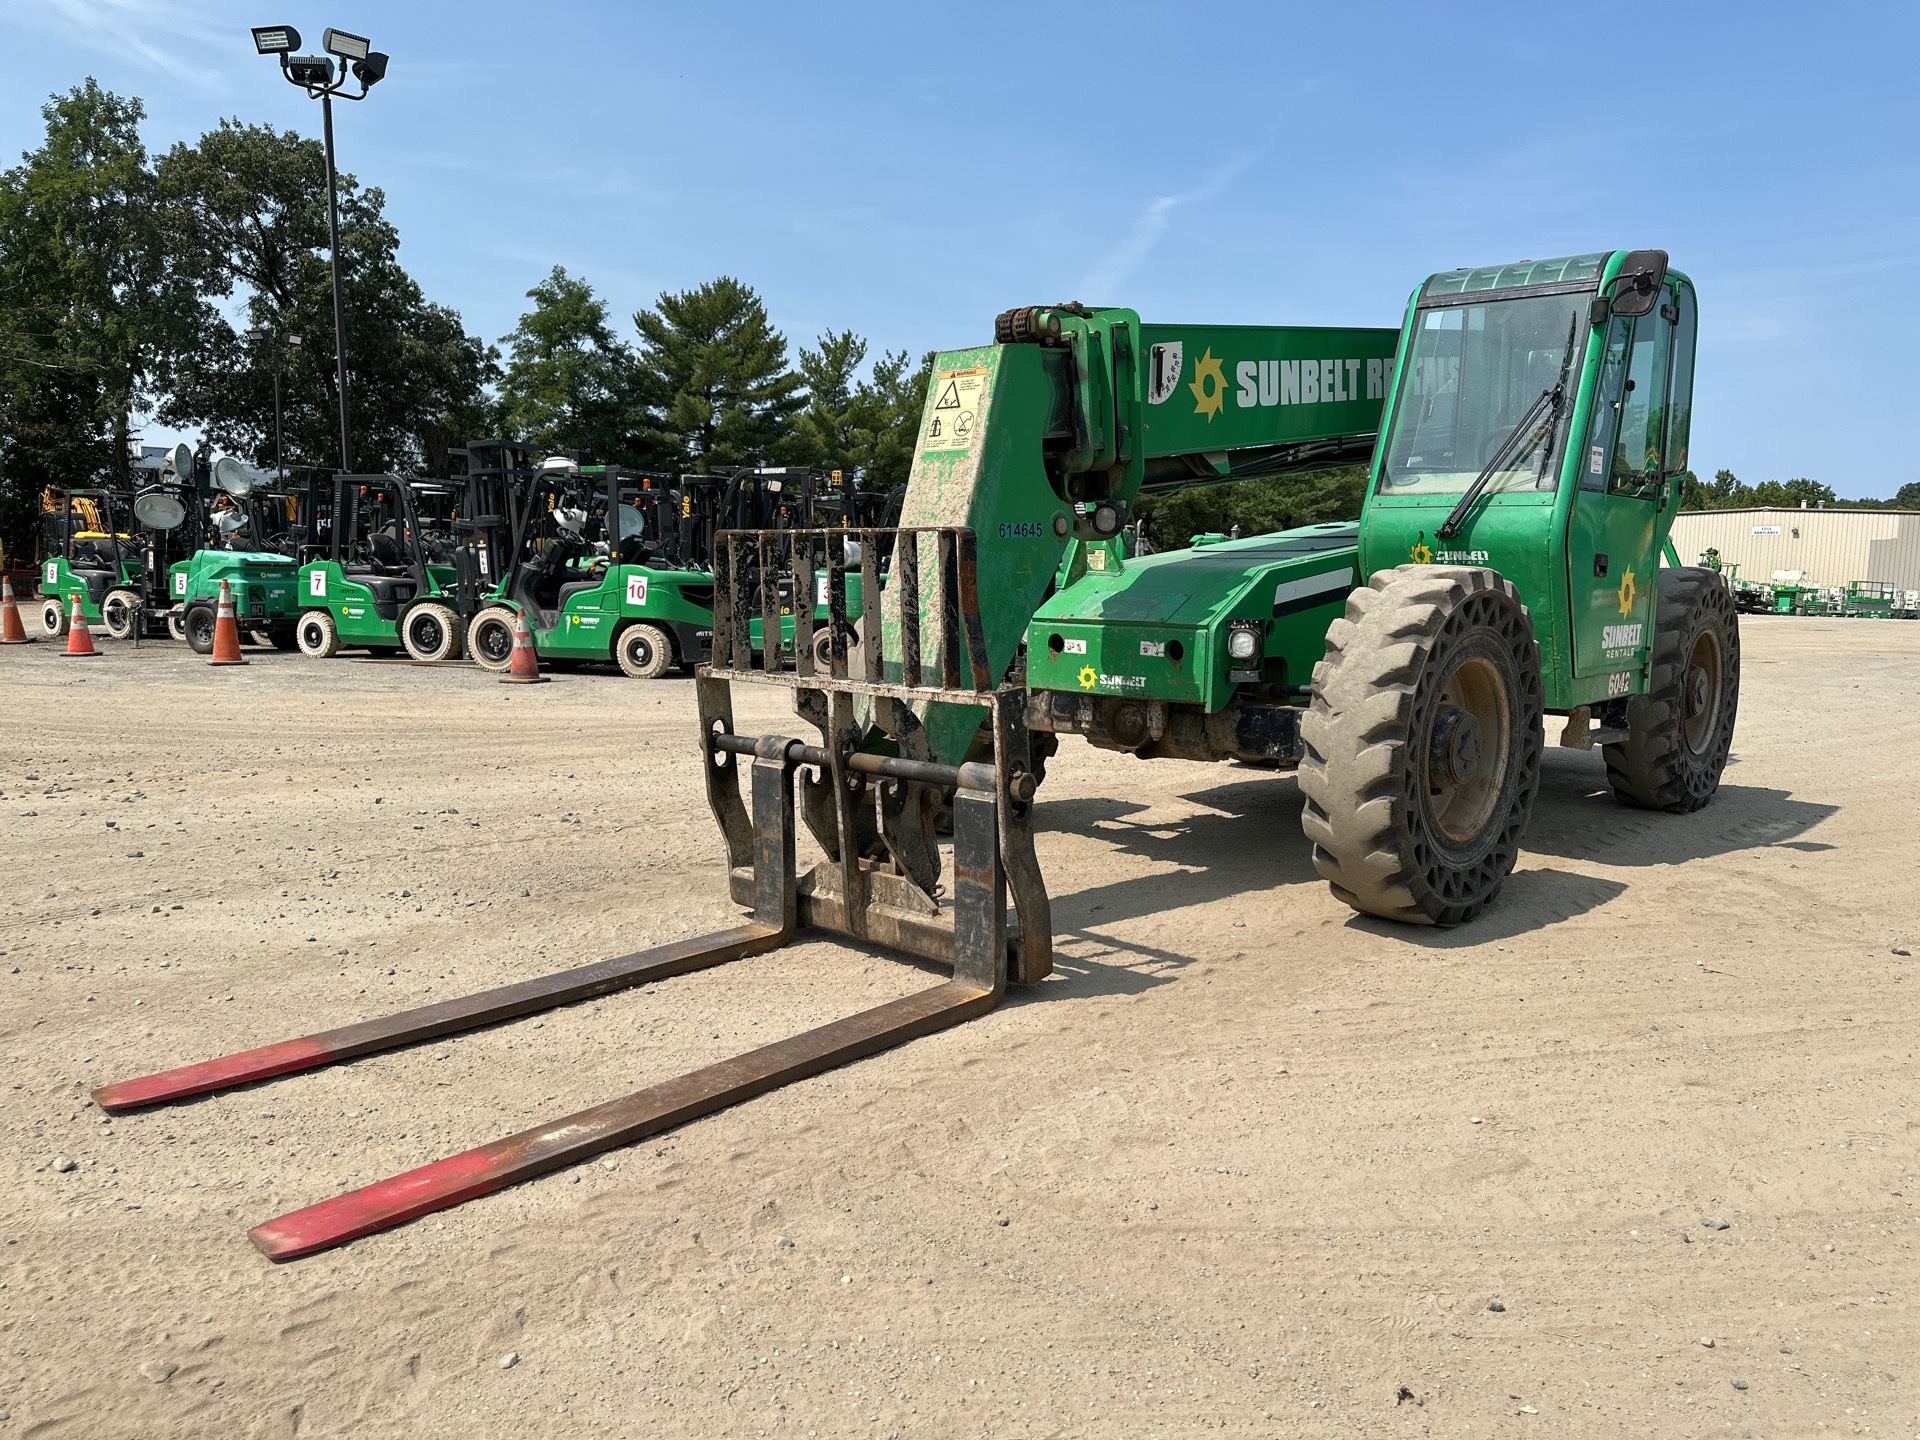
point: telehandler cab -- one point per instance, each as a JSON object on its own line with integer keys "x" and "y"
{"x": 1506, "y": 563}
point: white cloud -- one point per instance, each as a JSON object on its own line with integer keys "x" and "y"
{"x": 174, "y": 37}
{"x": 1099, "y": 284}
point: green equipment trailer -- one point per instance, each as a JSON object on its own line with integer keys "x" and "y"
{"x": 252, "y": 542}
{"x": 1525, "y": 430}
{"x": 381, "y": 570}
{"x": 263, "y": 586}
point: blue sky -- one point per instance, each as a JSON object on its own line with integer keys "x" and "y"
{"x": 909, "y": 170}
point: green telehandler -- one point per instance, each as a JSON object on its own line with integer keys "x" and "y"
{"x": 1525, "y": 429}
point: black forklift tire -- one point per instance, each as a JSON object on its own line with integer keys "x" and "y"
{"x": 199, "y": 626}
{"x": 53, "y": 617}
{"x": 490, "y": 638}
{"x": 1423, "y": 744}
{"x": 430, "y": 631}
{"x": 644, "y": 652}
{"x": 1679, "y": 732}
{"x": 177, "y": 623}
{"x": 282, "y": 637}
{"x": 316, "y": 635}
{"x": 117, "y": 613}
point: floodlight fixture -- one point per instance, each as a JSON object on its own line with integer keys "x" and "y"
{"x": 318, "y": 76}
{"x": 345, "y": 45}
{"x": 316, "y": 70}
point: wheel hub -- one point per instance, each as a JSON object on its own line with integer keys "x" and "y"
{"x": 1699, "y": 691}
{"x": 1455, "y": 751}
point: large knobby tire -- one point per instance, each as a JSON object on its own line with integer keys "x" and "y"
{"x": 53, "y": 618}
{"x": 117, "y": 613}
{"x": 431, "y": 631}
{"x": 200, "y": 629}
{"x": 1679, "y": 732}
{"x": 316, "y": 634}
{"x": 490, "y": 638}
{"x": 1423, "y": 744}
{"x": 177, "y": 623}
{"x": 644, "y": 652}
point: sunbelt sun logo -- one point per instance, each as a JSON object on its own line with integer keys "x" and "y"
{"x": 1260, "y": 384}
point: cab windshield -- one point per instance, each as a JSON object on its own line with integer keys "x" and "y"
{"x": 1474, "y": 372}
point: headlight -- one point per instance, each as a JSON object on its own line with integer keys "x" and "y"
{"x": 1243, "y": 644}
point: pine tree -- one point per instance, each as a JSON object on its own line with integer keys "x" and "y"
{"x": 714, "y": 380}
{"x": 867, "y": 426}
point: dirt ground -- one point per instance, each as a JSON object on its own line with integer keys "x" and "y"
{"x": 1245, "y": 1165}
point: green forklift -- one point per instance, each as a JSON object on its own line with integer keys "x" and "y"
{"x": 381, "y": 571}
{"x": 89, "y": 552}
{"x": 598, "y": 574}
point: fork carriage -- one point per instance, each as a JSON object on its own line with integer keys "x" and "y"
{"x": 868, "y": 794}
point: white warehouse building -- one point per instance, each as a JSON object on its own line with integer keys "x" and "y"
{"x": 1829, "y": 547}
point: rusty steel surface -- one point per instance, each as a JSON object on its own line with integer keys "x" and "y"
{"x": 447, "y": 1017}
{"x": 615, "y": 1123}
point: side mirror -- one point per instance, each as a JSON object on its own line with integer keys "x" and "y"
{"x": 1636, "y": 289}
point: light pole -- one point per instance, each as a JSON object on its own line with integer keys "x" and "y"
{"x": 316, "y": 75}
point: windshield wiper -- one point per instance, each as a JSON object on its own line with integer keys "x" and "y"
{"x": 1549, "y": 401}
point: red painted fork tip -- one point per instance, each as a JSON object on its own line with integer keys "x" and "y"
{"x": 278, "y": 1246}
{"x": 210, "y": 1075}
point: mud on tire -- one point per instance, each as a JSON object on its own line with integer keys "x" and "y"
{"x": 1679, "y": 732}
{"x": 1423, "y": 744}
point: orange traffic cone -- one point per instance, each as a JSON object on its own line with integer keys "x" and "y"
{"x": 12, "y": 632}
{"x": 79, "y": 638}
{"x": 226, "y": 631}
{"x": 525, "y": 669}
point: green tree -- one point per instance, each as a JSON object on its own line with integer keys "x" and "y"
{"x": 1790, "y": 494}
{"x": 1907, "y": 497}
{"x": 568, "y": 378}
{"x": 714, "y": 383}
{"x": 252, "y": 208}
{"x": 1257, "y": 506}
{"x": 867, "y": 425}
{"x": 897, "y": 394}
{"x": 92, "y": 301}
